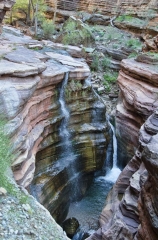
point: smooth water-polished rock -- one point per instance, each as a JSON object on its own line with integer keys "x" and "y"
{"x": 131, "y": 207}
{"x": 70, "y": 226}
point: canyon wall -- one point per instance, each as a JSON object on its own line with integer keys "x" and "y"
{"x": 131, "y": 211}
{"x": 55, "y": 156}
{"x": 105, "y": 6}
{"x": 138, "y": 99}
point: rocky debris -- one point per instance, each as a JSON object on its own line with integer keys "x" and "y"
{"x": 37, "y": 46}
{"x": 3, "y": 191}
{"x": 149, "y": 58}
{"x": 150, "y": 44}
{"x": 98, "y": 19}
{"x": 28, "y": 220}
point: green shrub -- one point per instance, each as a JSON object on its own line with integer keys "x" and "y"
{"x": 95, "y": 63}
{"x": 132, "y": 55}
{"x": 70, "y": 26}
{"x": 48, "y": 28}
{"x": 110, "y": 76}
{"x": 6, "y": 158}
{"x": 106, "y": 62}
{"x": 133, "y": 43}
{"x": 122, "y": 18}
{"x": 75, "y": 37}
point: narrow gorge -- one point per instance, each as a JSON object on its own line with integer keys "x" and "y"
{"x": 63, "y": 140}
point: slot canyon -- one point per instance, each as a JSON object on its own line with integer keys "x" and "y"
{"x": 72, "y": 139}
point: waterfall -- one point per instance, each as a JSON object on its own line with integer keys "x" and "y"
{"x": 66, "y": 156}
{"x": 113, "y": 174}
{"x": 64, "y": 133}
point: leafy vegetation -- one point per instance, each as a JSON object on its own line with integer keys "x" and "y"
{"x": 34, "y": 12}
{"x": 106, "y": 62}
{"x": 72, "y": 86}
{"x": 76, "y": 33}
{"x": 6, "y": 157}
{"x": 132, "y": 55}
{"x": 110, "y": 78}
{"x": 48, "y": 28}
{"x": 75, "y": 37}
{"x": 132, "y": 20}
{"x": 133, "y": 43}
{"x": 95, "y": 62}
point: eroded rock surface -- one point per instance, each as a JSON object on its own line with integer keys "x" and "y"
{"x": 131, "y": 206}
{"x": 138, "y": 99}
{"x": 31, "y": 84}
{"x": 104, "y": 6}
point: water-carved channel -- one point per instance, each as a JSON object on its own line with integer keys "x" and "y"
{"x": 87, "y": 210}
{"x": 80, "y": 154}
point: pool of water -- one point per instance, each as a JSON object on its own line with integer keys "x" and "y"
{"x": 87, "y": 210}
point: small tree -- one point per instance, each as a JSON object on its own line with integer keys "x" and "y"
{"x": 55, "y": 10}
{"x": 21, "y": 5}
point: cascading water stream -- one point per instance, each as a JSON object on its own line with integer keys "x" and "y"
{"x": 66, "y": 156}
{"x": 87, "y": 211}
{"x": 64, "y": 133}
{"x": 113, "y": 174}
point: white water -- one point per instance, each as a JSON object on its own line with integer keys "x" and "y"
{"x": 64, "y": 133}
{"x": 113, "y": 174}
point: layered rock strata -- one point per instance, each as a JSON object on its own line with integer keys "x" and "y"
{"x": 138, "y": 99}
{"x": 30, "y": 86}
{"x": 104, "y": 6}
{"x": 131, "y": 207}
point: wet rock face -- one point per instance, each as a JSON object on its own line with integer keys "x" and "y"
{"x": 5, "y": 6}
{"x": 131, "y": 207}
{"x": 70, "y": 226}
{"x": 30, "y": 90}
{"x": 131, "y": 210}
{"x": 59, "y": 179}
{"x": 138, "y": 99}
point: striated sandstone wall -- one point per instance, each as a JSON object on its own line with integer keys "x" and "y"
{"x": 138, "y": 99}
{"x": 131, "y": 210}
{"x": 105, "y": 6}
{"x": 30, "y": 86}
